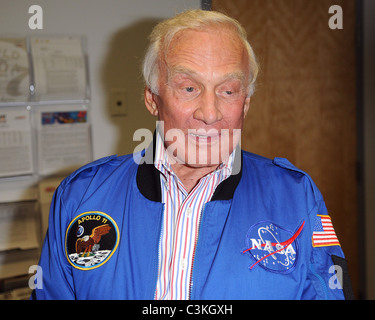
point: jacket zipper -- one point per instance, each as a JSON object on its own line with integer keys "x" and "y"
{"x": 158, "y": 260}
{"x": 321, "y": 281}
{"x": 195, "y": 246}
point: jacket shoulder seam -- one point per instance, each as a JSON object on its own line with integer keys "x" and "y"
{"x": 89, "y": 166}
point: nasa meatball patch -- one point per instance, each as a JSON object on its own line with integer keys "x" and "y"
{"x": 91, "y": 239}
{"x": 273, "y": 247}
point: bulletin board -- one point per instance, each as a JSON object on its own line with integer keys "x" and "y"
{"x": 45, "y": 134}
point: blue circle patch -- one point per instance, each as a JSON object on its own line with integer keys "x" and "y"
{"x": 272, "y": 247}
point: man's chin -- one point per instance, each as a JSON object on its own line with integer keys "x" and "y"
{"x": 202, "y": 160}
{"x": 199, "y": 165}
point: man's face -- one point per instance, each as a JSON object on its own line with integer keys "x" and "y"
{"x": 202, "y": 96}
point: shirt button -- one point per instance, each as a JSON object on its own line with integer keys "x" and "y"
{"x": 189, "y": 211}
{"x": 183, "y": 263}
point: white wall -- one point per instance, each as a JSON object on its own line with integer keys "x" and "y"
{"x": 116, "y": 32}
{"x": 369, "y": 141}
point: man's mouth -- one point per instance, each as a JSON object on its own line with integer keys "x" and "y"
{"x": 204, "y": 137}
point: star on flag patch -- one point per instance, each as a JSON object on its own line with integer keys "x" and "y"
{"x": 324, "y": 233}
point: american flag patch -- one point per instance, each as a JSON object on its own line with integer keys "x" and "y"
{"x": 324, "y": 234}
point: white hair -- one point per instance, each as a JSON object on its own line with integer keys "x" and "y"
{"x": 163, "y": 33}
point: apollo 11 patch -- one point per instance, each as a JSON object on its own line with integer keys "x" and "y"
{"x": 91, "y": 239}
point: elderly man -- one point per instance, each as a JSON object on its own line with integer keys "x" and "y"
{"x": 203, "y": 219}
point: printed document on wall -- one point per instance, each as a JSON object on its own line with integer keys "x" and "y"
{"x": 15, "y": 142}
{"x": 59, "y": 68}
{"x": 14, "y": 70}
{"x": 63, "y": 141}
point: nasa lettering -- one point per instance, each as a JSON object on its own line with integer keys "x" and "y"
{"x": 272, "y": 247}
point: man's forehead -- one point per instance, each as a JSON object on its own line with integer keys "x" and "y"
{"x": 192, "y": 51}
{"x": 177, "y": 70}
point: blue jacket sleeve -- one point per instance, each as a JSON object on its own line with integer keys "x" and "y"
{"x": 56, "y": 272}
{"x": 328, "y": 276}
{"x": 57, "y": 282}
{"x": 328, "y": 268}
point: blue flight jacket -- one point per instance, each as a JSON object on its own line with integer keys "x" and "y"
{"x": 255, "y": 236}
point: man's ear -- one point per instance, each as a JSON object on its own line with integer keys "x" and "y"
{"x": 246, "y": 107}
{"x": 150, "y": 101}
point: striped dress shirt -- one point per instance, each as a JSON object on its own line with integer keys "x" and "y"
{"x": 180, "y": 226}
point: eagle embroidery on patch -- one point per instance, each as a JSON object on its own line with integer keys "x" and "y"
{"x": 91, "y": 239}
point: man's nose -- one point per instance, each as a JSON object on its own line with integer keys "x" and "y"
{"x": 208, "y": 110}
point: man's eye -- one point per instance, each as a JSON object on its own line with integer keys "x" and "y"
{"x": 228, "y": 92}
{"x": 189, "y": 89}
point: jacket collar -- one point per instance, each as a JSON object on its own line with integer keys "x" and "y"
{"x": 148, "y": 177}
